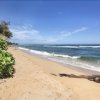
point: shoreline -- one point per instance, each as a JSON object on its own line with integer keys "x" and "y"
{"x": 80, "y": 69}
{"x": 34, "y": 80}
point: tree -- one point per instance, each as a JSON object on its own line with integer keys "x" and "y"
{"x": 3, "y": 44}
{"x": 4, "y": 29}
{"x": 6, "y": 59}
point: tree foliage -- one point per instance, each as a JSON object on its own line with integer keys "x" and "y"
{"x": 4, "y": 29}
{"x": 6, "y": 64}
{"x": 6, "y": 59}
{"x": 3, "y": 44}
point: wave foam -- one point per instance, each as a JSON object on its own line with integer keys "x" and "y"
{"x": 89, "y": 46}
{"x": 35, "y": 51}
{"x": 63, "y": 46}
{"x": 67, "y": 56}
{"x": 51, "y": 56}
{"x": 73, "y": 46}
{"x": 76, "y": 64}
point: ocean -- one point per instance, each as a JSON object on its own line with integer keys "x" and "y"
{"x": 84, "y": 56}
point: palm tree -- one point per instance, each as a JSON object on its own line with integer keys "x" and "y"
{"x": 4, "y": 30}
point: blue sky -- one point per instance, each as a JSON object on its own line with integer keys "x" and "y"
{"x": 55, "y": 21}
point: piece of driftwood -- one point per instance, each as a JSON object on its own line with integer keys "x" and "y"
{"x": 95, "y": 78}
{"x": 53, "y": 74}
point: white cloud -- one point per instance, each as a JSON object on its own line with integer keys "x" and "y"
{"x": 64, "y": 35}
{"x": 27, "y": 34}
{"x": 80, "y": 30}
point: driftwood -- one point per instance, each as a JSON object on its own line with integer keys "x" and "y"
{"x": 95, "y": 78}
{"x": 53, "y": 74}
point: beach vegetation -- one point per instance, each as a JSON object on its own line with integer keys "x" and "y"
{"x": 6, "y": 64}
{"x": 6, "y": 59}
{"x": 4, "y": 30}
{"x": 3, "y": 44}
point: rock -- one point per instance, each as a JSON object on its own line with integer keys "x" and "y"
{"x": 97, "y": 79}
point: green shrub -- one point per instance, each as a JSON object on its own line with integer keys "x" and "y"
{"x": 6, "y": 64}
{"x": 3, "y": 44}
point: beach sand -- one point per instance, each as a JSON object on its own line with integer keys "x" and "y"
{"x": 33, "y": 80}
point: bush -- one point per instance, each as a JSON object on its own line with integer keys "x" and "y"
{"x": 6, "y": 64}
{"x": 3, "y": 44}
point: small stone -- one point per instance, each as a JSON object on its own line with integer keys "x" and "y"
{"x": 97, "y": 79}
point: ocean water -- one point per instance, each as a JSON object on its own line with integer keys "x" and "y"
{"x": 85, "y": 56}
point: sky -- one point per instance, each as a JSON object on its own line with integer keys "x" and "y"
{"x": 52, "y": 21}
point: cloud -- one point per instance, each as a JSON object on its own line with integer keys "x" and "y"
{"x": 64, "y": 35}
{"x": 27, "y": 34}
{"x": 80, "y": 30}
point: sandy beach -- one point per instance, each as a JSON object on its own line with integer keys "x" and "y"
{"x": 33, "y": 80}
